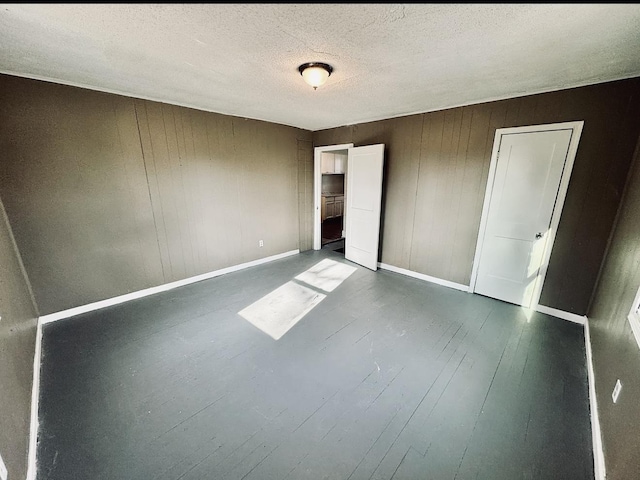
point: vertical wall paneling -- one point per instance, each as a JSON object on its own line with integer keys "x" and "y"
{"x": 218, "y": 185}
{"x": 477, "y": 162}
{"x": 401, "y": 170}
{"x": 616, "y": 355}
{"x": 17, "y": 344}
{"x": 452, "y": 168}
{"x": 109, "y": 195}
{"x": 421, "y": 253}
{"x": 458, "y": 161}
{"x": 305, "y": 194}
{"x": 268, "y": 192}
{"x": 612, "y": 121}
{"x": 130, "y": 157}
{"x": 75, "y": 192}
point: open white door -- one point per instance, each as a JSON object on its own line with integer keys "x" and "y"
{"x": 364, "y": 198}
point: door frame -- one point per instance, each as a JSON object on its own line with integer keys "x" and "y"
{"x": 317, "y": 188}
{"x": 576, "y": 128}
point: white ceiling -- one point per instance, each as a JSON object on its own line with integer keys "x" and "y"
{"x": 389, "y": 59}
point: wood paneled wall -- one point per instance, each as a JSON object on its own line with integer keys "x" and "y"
{"x": 616, "y": 354}
{"x": 17, "y": 342}
{"x": 305, "y": 194}
{"x": 108, "y": 195}
{"x": 437, "y": 166}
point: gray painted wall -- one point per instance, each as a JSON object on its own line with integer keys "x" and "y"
{"x": 108, "y": 195}
{"x": 17, "y": 344}
{"x": 616, "y": 354}
{"x": 437, "y": 166}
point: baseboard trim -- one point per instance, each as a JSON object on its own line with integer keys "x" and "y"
{"x": 554, "y": 312}
{"x": 600, "y": 472}
{"x": 422, "y": 276}
{"x": 161, "y": 288}
{"x": 572, "y": 317}
{"x": 35, "y": 401}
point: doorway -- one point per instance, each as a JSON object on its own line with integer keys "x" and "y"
{"x": 332, "y": 202}
{"x": 527, "y": 184}
{"x": 331, "y": 229}
{"x": 347, "y": 201}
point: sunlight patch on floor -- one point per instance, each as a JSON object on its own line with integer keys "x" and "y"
{"x": 278, "y": 311}
{"x": 326, "y": 275}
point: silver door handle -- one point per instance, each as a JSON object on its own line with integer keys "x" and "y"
{"x": 538, "y": 235}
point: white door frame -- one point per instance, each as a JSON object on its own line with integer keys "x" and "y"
{"x": 557, "y": 210}
{"x": 317, "y": 188}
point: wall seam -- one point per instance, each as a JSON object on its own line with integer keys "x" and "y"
{"x": 614, "y": 226}
{"x": 415, "y": 197}
{"x": 35, "y": 382}
{"x": 19, "y": 257}
{"x": 146, "y": 173}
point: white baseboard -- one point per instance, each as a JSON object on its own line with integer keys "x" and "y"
{"x": 599, "y": 469}
{"x": 572, "y": 317}
{"x": 161, "y": 288}
{"x": 35, "y": 399}
{"x": 422, "y": 276}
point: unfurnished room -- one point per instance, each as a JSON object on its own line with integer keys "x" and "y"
{"x": 319, "y": 241}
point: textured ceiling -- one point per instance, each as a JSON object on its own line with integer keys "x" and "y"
{"x": 389, "y": 59}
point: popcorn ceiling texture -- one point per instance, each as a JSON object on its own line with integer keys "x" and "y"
{"x": 389, "y": 59}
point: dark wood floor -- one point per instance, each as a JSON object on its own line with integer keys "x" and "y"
{"x": 331, "y": 230}
{"x": 388, "y": 377}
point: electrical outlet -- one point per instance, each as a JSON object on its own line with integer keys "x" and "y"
{"x": 3, "y": 470}
{"x": 616, "y": 391}
{"x": 261, "y": 243}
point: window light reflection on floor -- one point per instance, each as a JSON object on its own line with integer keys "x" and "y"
{"x": 278, "y": 311}
{"x": 326, "y": 275}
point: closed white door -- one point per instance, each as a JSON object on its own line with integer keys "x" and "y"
{"x": 364, "y": 197}
{"x": 525, "y": 188}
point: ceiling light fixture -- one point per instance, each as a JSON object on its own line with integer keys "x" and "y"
{"x": 315, "y": 73}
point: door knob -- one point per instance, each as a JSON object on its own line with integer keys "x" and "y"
{"x": 538, "y": 235}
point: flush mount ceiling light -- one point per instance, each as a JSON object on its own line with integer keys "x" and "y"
{"x": 315, "y": 73}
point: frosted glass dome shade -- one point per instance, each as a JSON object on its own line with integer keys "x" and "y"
{"x": 315, "y": 74}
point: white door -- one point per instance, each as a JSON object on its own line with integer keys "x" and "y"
{"x": 364, "y": 196}
{"x": 527, "y": 177}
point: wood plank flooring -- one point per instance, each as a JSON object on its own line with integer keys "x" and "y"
{"x": 388, "y": 377}
{"x": 331, "y": 229}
